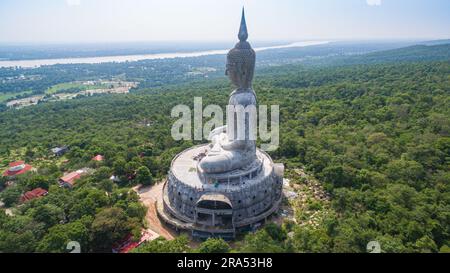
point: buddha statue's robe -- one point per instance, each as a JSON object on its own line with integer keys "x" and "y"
{"x": 233, "y": 149}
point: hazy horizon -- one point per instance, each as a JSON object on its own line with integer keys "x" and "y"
{"x": 139, "y": 21}
{"x": 208, "y": 42}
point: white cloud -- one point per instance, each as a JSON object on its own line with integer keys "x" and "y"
{"x": 72, "y": 3}
{"x": 373, "y": 2}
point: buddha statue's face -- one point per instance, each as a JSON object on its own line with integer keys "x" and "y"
{"x": 233, "y": 74}
{"x": 239, "y": 74}
{"x": 241, "y": 65}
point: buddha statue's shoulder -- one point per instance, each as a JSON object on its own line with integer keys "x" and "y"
{"x": 243, "y": 97}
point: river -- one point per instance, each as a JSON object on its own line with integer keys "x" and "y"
{"x": 132, "y": 58}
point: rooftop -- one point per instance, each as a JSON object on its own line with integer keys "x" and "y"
{"x": 71, "y": 177}
{"x": 16, "y": 168}
{"x": 16, "y": 163}
{"x": 184, "y": 168}
{"x": 98, "y": 158}
{"x": 29, "y": 195}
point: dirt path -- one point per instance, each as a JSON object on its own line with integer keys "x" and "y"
{"x": 148, "y": 196}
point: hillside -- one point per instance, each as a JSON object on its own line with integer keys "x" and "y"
{"x": 416, "y": 53}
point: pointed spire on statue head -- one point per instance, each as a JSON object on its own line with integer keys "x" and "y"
{"x": 243, "y": 34}
{"x": 241, "y": 59}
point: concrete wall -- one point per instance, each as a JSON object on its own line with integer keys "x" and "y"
{"x": 249, "y": 200}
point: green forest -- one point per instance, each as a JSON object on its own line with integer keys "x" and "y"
{"x": 376, "y": 135}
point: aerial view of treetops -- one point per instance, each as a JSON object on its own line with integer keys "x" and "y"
{"x": 89, "y": 163}
{"x": 364, "y": 139}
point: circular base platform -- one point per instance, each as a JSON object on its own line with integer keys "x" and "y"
{"x": 223, "y": 204}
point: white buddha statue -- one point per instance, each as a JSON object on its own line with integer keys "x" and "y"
{"x": 228, "y": 151}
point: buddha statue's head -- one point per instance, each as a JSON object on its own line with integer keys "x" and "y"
{"x": 241, "y": 60}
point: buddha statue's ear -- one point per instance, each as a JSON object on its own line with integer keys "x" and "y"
{"x": 242, "y": 74}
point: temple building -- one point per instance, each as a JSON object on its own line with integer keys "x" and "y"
{"x": 228, "y": 185}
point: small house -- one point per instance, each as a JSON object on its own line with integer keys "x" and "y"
{"x": 59, "y": 151}
{"x": 69, "y": 179}
{"x": 30, "y": 195}
{"x": 98, "y": 158}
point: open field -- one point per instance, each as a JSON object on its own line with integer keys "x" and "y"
{"x": 73, "y": 85}
{"x": 9, "y": 95}
{"x": 70, "y": 90}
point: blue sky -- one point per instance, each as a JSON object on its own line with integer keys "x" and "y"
{"x": 50, "y": 21}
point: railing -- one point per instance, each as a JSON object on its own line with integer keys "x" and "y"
{"x": 215, "y": 211}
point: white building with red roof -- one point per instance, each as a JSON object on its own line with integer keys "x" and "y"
{"x": 17, "y": 168}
